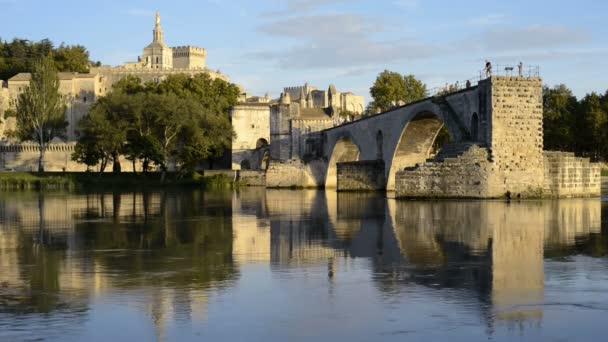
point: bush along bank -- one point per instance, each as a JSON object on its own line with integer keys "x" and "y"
{"x": 95, "y": 181}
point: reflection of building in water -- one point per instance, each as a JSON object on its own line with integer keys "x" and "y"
{"x": 60, "y": 212}
{"x": 193, "y": 242}
{"x": 503, "y": 242}
{"x": 283, "y": 230}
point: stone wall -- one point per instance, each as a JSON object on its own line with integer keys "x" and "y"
{"x": 467, "y": 176}
{"x": 295, "y": 174}
{"x": 472, "y": 175}
{"x": 361, "y": 176}
{"x": 251, "y": 122}
{"x": 516, "y": 133}
{"x": 569, "y": 176}
{"x": 252, "y": 178}
{"x": 58, "y": 157}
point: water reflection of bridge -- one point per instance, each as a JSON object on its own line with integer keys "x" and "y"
{"x": 494, "y": 250}
{"x": 176, "y": 247}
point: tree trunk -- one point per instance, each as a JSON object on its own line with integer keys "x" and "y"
{"x": 41, "y": 158}
{"x": 134, "y": 167}
{"x": 116, "y": 163}
{"x": 146, "y": 165}
{"x": 104, "y": 163}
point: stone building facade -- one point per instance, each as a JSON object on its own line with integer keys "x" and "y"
{"x": 311, "y": 97}
{"x": 159, "y": 61}
{"x": 82, "y": 90}
{"x": 250, "y": 147}
{"x": 288, "y": 128}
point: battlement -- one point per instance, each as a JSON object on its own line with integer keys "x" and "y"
{"x": 187, "y": 50}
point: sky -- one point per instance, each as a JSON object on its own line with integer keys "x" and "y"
{"x": 266, "y": 45}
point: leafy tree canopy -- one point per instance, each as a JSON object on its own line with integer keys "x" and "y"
{"x": 20, "y": 55}
{"x": 392, "y": 89}
{"x": 182, "y": 119}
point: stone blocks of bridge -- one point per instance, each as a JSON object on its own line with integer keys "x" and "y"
{"x": 361, "y": 176}
{"x": 469, "y": 175}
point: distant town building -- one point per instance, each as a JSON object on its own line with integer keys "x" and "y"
{"x": 289, "y": 127}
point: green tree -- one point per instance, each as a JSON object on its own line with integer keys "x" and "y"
{"x": 72, "y": 58}
{"x": 105, "y": 131}
{"x": 181, "y": 118}
{"x": 559, "y": 108}
{"x": 20, "y": 55}
{"x": 41, "y": 109}
{"x": 392, "y": 89}
{"x": 593, "y": 127}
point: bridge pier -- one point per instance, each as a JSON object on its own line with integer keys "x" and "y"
{"x": 361, "y": 176}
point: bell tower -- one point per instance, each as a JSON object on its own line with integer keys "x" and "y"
{"x": 157, "y": 55}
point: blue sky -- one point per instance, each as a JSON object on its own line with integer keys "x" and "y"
{"x": 265, "y": 45}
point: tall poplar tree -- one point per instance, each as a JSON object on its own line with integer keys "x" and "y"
{"x": 40, "y": 110}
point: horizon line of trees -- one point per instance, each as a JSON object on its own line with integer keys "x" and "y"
{"x": 21, "y": 55}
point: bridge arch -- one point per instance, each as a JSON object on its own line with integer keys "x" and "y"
{"x": 344, "y": 150}
{"x": 415, "y": 144}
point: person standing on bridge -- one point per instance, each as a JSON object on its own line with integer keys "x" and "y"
{"x": 488, "y": 68}
{"x": 520, "y": 68}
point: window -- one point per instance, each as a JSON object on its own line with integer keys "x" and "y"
{"x": 84, "y": 99}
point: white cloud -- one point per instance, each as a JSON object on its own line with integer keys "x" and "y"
{"x": 339, "y": 41}
{"x": 302, "y": 6}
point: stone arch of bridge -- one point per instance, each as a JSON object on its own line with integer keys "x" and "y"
{"x": 345, "y": 150}
{"x": 415, "y": 144}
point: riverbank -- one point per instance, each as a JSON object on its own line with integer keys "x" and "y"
{"x": 96, "y": 181}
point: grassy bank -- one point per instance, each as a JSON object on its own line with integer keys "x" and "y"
{"x": 95, "y": 181}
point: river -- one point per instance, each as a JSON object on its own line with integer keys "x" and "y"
{"x": 274, "y": 265}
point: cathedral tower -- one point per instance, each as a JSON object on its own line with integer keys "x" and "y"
{"x": 158, "y": 55}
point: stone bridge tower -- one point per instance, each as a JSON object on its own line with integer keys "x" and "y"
{"x": 513, "y": 110}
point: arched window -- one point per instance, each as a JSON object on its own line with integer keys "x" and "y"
{"x": 156, "y": 60}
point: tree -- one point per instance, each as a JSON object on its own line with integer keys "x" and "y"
{"x": 41, "y": 109}
{"x": 391, "y": 89}
{"x": 105, "y": 131}
{"x": 559, "y": 107}
{"x": 593, "y": 127}
{"x": 72, "y": 58}
{"x": 184, "y": 118}
{"x": 19, "y": 55}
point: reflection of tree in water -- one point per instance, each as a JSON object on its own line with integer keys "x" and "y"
{"x": 176, "y": 245}
{"x": 188, "y": 242}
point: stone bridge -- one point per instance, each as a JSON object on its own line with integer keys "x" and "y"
{"x": 495, "y": 149}
{"x": 404, "y": 137}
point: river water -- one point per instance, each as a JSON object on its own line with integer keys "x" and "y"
{"x": 256, "y": 265}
